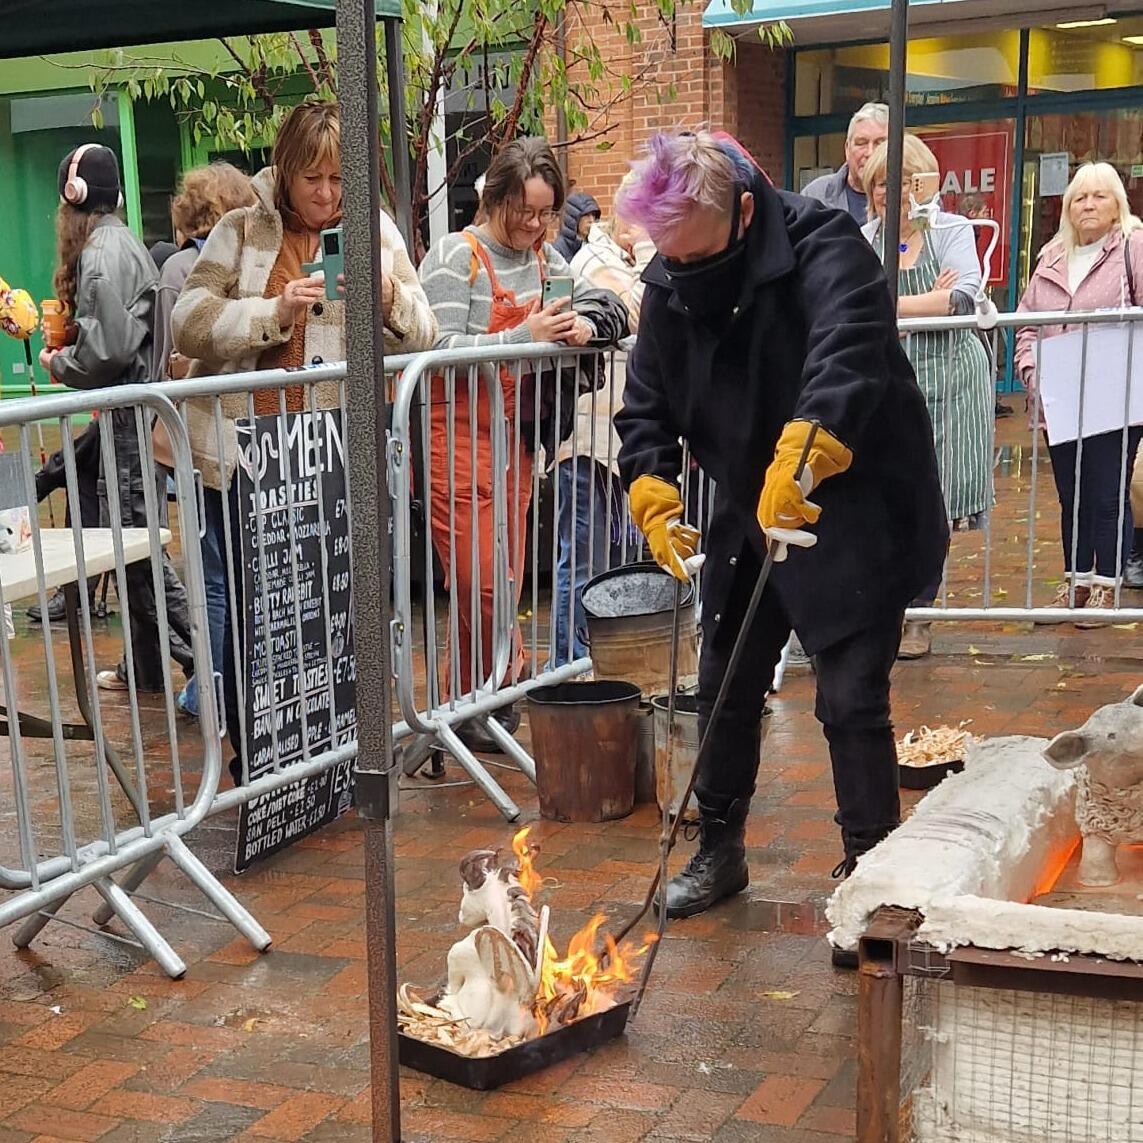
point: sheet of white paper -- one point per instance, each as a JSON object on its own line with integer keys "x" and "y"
{"x": 1053, "y": 173}
{"x": 1105, "y": 380}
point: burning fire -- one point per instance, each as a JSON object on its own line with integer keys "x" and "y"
{"x": 582, "y": 982}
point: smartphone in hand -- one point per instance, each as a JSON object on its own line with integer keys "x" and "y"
{"x": 926, "y": 186}
{"x": 556, "y": 288}
{"x": 332, "y": 264}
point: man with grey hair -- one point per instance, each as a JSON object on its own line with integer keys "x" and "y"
{"x": 842, "y": 189}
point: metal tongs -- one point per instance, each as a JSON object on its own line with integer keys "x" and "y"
{"x": 670, "y": 830}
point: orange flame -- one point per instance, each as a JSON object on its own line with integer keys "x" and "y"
{"x": 583, "y": 981}
{"x": 526, "y": 873}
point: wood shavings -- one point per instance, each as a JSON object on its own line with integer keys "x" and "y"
{"x": 418, "y": 1017}
{"x": 931, "y": 745}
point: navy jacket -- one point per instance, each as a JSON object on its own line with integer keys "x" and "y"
{"x": 568, "y": 240}
{"x": 814, "y": 336}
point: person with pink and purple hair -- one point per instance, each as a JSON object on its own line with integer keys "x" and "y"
{"x": 767, "y": 333}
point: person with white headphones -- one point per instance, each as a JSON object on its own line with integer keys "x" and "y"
{"x": 107, "y": 283}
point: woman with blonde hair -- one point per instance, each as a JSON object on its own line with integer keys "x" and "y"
{"x": 248, "y": 304}
{"x": 939, "y": 276}
{"x": 1094, "y": 262}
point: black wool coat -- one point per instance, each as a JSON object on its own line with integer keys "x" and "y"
{"x": 813, "y": 336}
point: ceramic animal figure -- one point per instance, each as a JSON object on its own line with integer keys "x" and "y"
{"x": 494, "y": 972}
{"x": 1108, "y": 749}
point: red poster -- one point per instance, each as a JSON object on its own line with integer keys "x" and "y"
{"x": 976, "y": 181}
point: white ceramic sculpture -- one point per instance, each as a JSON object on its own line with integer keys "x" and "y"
{"x": 494, "y": 972}
{"x": 1108, "y": 749}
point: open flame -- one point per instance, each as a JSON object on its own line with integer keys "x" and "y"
{"x": 583, "y": 981}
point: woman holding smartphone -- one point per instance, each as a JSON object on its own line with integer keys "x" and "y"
{"x": 486, "y": 286}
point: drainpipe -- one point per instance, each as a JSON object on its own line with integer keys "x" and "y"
{"x": 561, "y": 111}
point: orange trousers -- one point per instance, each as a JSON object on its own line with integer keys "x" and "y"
{"x": 463, "y": 522}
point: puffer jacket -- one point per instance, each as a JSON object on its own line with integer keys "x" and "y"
{"x": 224, "y": 322}
{"x": 578, "y": 204}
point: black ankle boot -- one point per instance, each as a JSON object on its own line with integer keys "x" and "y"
{"x": 718, "y": 868}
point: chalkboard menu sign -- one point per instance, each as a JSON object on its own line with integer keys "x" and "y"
{"x": 298, "y": 669}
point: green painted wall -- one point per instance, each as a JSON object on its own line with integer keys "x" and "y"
{"x": 28, "y": 199}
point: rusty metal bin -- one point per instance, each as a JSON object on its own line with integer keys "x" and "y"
{"x": 629, "y": 622}
{"x": 585, "y": 740}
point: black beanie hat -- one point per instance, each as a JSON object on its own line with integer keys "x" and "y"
{"x": 99, "y": 169}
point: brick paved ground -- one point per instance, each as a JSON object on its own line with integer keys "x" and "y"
{"x": 97, "y": 1044}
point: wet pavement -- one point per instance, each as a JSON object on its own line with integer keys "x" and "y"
{"x": 747, "y": 1033}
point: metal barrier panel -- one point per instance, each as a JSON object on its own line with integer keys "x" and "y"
{"x": 270, "y": 447}
{"x": 1056, "y": 520}
{"x": 506, "y": 494}
{"x": 116, "y": 787}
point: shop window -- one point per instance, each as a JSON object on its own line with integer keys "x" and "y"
{"x": 942, "y": 70}
{"x": 1096, "y": 56}
{"x": 816, "y": 155}
{"x": 1055, "y": 142}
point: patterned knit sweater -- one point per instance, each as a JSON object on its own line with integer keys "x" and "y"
{"x": 463, "y": 304}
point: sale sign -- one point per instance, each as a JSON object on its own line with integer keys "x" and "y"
{"x": 976, "y": 182}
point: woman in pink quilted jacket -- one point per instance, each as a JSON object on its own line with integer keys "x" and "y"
{"x": 1095, "y": 262}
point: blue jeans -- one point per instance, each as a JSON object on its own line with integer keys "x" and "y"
{"x": 585, "y": 542}
{"x": 217, "y": 604}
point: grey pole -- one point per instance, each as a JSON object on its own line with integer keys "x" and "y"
{"x": 372, "y": 549}
{"x": 398, "y": 129}
{"x": 898, "y": 56}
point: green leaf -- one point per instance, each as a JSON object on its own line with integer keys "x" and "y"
{"x": 137, "y": 1002}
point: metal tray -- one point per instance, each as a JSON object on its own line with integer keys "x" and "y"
{"x": 489, "y": 1072}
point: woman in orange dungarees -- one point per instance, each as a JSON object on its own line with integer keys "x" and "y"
{"x": 484, "y": 286}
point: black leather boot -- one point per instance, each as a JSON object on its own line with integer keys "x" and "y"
{"x": 718, "y": 869}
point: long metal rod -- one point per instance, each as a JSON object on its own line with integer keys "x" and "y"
{"x": 665, "y": 834}
{"x": 736, "y": 654}
{"x": 898, "y": 55}
{"x": 372, "y": 545}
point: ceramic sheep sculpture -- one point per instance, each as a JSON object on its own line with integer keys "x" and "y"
{"x": 1108, "y": 750}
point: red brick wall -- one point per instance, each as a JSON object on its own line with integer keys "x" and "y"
{"x": 705, "y": 89}
{"x": 761, "y": 106}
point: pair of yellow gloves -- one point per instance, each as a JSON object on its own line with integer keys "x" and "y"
{"x": 657, "y": 507}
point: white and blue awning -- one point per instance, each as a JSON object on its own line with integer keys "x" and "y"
{"x": 720, "y": 13}
{"x": 820, "y": 21}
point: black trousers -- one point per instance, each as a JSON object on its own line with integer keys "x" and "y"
{"x": 852, "y": 706}
{"x": 87, "y": 473}
{"x": 1101, "y": 544}
{"x": 129, "y": 477}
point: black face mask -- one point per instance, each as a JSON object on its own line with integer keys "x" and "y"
{"x": 709, "y": 287}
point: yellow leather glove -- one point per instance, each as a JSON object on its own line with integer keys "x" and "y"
{"x": 657, "y": 509}
{"x": 783, "y": 503}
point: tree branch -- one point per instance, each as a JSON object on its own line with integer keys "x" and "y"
{"x": 305, "y": 61}
{"x": 323, "y": 59}
{"x": 508, "y": 127}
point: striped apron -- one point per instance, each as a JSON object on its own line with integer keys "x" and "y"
{"x": 954, "y": 374}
